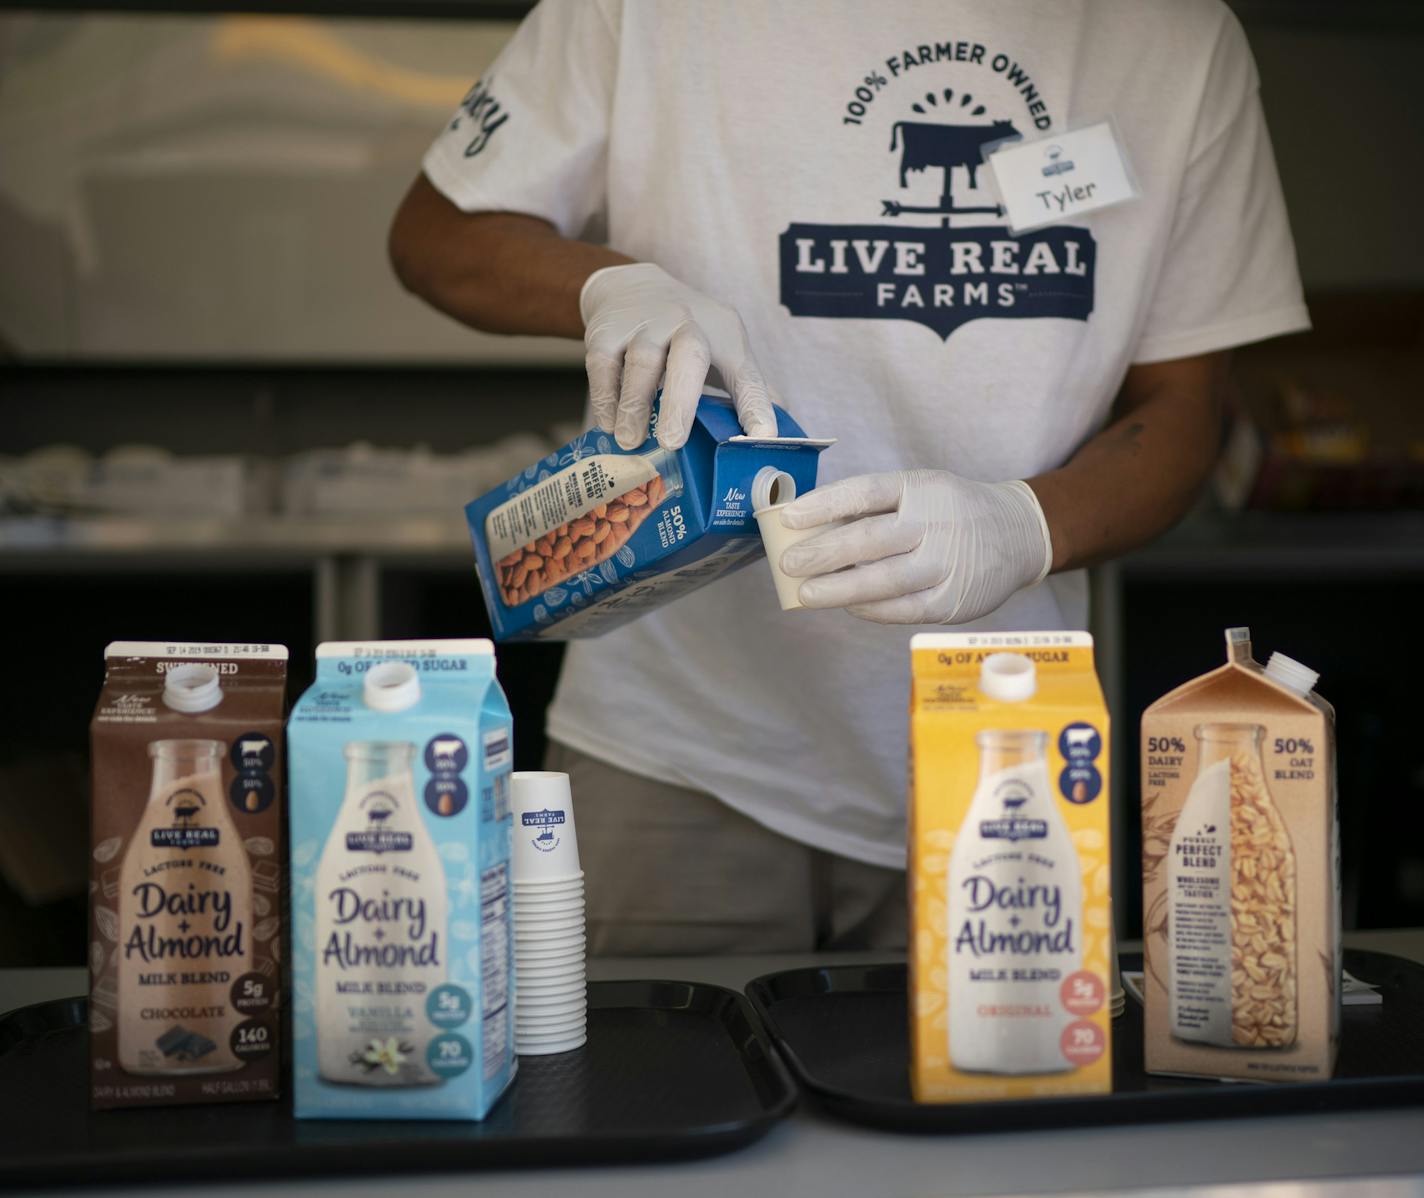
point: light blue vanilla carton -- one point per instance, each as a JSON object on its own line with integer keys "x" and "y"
{"x": 594, "y": 535}
{"x": 399, "y": 757}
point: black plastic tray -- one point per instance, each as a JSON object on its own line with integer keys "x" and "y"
{"x": 844, "y": 1030}
{"x": 671, "y": 1070}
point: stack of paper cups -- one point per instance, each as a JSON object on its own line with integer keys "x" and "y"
{"x": 550, "y": 996}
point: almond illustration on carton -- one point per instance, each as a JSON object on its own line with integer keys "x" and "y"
{"x": 576, "y": 546}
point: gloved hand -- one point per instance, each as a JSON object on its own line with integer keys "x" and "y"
{"x": 640, "y": 322}
{"x": 922, "y": 547}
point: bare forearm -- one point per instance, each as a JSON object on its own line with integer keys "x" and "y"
{"x": 502, "y": 272}
{"x": 1138, "y": 477}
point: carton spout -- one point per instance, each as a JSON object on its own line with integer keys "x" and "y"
{"x": 1008, "y": 677}
{"x": 391, "y": 686}
{"x": 192, "y": 688}
{"x": 771, "y": 487}
{"x": 1291, "y": 674}
{"x": 1238, "y": 645}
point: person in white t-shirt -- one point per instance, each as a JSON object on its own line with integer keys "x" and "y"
{"x": 791, "y": 197}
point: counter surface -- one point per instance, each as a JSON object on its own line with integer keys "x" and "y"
{"x": 1379, "y": 1153}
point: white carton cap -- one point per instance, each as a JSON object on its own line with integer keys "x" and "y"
{"x": 192, "y": 688}
{"x": 1291, "y": 674}
{"x": 1008, "y": 677}
{"x": 391, "y": 686}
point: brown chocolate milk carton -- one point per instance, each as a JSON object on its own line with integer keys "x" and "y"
{"x": 1241, "y": 873}
{"x": 185, "y": 889}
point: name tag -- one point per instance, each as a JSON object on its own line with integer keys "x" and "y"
{"x": 1055, "y": 178}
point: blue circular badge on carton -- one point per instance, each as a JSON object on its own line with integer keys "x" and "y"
{"x": 251, "y": 793}
{"x": 446, "y": 755}
{"x": 252, "y": 752}
{"x": 446, "y": 796}
{"x": 1080, "y": 783}
{"x": 449, "y": 1055}
{"x": 1080, "y": 744}
{"x": 448, "y": 1005}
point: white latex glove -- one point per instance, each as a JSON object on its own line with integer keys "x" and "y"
{"x": 922, "y": 547}
{"x": 639, "y": 324}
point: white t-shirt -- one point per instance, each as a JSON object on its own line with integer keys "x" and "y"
{"x": 771, "y": 155}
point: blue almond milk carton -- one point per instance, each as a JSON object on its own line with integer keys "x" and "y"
{"x": 400, "y": 756}
{"x": 594, "y": 535}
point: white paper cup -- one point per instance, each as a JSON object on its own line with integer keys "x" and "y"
{"x": 578, "y": 985}
{"x": 574, "y": 979}
{"x": 567, "y": 974}
{"x": 549, "y": 953}
{"x": 538, "y": 1049}
{"x": 526, "y": 965}
{"x": 551, "y": 1034}
{"x": 554, "y": 1002}
{"x": 567, "y": 956}
{"x": 563, "y": 882}
{"x": 551, "y": 994}
{"x": 554, "y": 923}
{"x": 551, "y": 1029}
{"x": 547, "y": 912}
{"x": 776, "y": 538}
{"x": 524, "y": 1041}
{"x": 530, "y": 949}
{"x": 534, "y": 888}
{"x": 561, "y": 908}
{"x": 545, "y": 845}
{"x": 553, "y": 1008}
{"x": 557, "y": 992}
{"x": 574, "y": 982}
{"x": 540, "y": 906}
{"x": 566, "y": 963}
{"x": 543, "y": 901}
{"x": 534, "y": 943}
{"x": 534, "y": 950}
{"x": 540, "y": 902}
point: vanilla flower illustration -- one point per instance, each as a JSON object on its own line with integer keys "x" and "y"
{"x": 385, "y": 1054}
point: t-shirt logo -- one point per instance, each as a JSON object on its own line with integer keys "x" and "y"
{"x": 961, "y": 264}
{"x": 480, "y": 115}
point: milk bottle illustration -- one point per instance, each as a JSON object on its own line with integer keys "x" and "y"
{"x": 185, "y": 917}
{"x": 1015, "y": 904}
{"x": 381, "y": 943}
{"x": 1231, "y": 895}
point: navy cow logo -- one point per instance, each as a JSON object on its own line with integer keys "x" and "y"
{"x": 926, "y": 145}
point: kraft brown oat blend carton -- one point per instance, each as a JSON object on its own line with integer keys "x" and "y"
{"x": 1241, "y": 874}
{"x": 185, "y": 926}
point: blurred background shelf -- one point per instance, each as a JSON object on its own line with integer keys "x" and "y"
{"x": 82, "y": 541}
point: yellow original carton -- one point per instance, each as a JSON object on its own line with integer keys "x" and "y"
{"x": 1009, "y": 869}
{"x": 1240, "y": 870}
